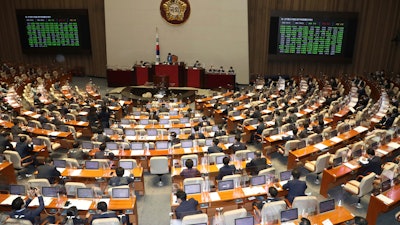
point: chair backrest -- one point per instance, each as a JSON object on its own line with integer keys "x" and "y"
{"x": 103, "y": 163}
{"x": 18, "y": 221}
{"x": 290, "y": 145}
{"x": 241, "y": 154}
{"x": 322, "y": 162}
{"x": 194, "y": 180}
{"x": 306, "y": 204}
{"x": 195, "y": 219}
{"x": 235, "y": 177}
{"x": 159, "y": 165}
{"x": 230, "y": 216}
{"x": 129, "y": 160}
{"x": 71, "y": 163}
{"x": 106, "y": 221}
{"x": 271, "y": 210}
{"x": 270, "y": 170}
{"x": 366, "y": 184}
{"x": 39, "y": 183}
{"x": 13, "y": 156}
{"x": 47, "y": 142}
{"x": 212, "y": 157}
{"x": 71, "y": 188}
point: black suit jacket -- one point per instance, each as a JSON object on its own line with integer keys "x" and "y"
{"x": 296, "y": 188}
{"x": 214, "y": 149}
{"x": 23, "y": 149}
{"x": 226, "y": 170}
{"x": 49, "y": 172}
{"x": 374, "y": 165}
{"x": 257, "y": 164}
{"x": 186, "y": 208}
{"x": 238, "y": 146}
{"x": 199, "y": 136}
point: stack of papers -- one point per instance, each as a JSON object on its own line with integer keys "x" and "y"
{"x": 394, "y": 145}
{"x": 80, "y": 203}
{"x": 187, "y": 150}
{"x": 9, "y": 200}
{"x": 336, "y": 139}
{"x": 46, "y": 200}
{"x": 360, "y": 129}
{"x": 320, "y": 146}
{"x": 382, "y": 151}
{"x": 349, "y": 165}
{"x": 385, "y": 199}
{"x": 214, "y": 196}
{"x": 250, "y": 191}
{"x": 76, "y": 172}
{"x": 54, "y": 133}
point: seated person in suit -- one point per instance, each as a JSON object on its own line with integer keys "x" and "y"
{"x": 120, "y": 179}
{"x": 17, "y": 128}
{"x": 43, "y": 117}
{"x": 294, "y": 136}
{"x": 204, "y": 122}
{"x": 220, "y": 131}
{"x": 197, "y": 134}
{"x": 100, "y": 137}
{"x": 102, "y": 153}
{"x": 305, "y": 221}
{"x": 174, "y": 139}
{"x": 76, "y": 152}
{"x": 272, "y": 193}
{"x": 189, "y": 171}
{"x": 238, "y": 145}
{"x": 73, "y": 217}
{"x": 257, "y": 164}
{"x": 24, "y": 149}
{"x": 186, "y": 207}
{"x": 48, "y": 171}
{"x": 163, "y": 108}
{"x": 256, "y": 113}
{"x": 214, "y": 148}
{"x": 102, "y": 212}
{"x": 374, "y": 163}
{"x": 5, "y": 142}
{"x": 226, "y": 169}
{"x": 295, "y": 187}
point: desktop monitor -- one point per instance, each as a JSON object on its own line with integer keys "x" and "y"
{"x": 275, "y": 131}
{"x": 374, "y": 145}
{"x": 225, "y": 185}
{"x": 318, "y": 139}
{"x": 136, "y": 113}
{"x": 127, "y": 165}
{"x": 250, "y": 155}
{"x": 120, "y": 193}
{"x": 236, "y": 113}
{"x": 231, "y": 139}
{"x": 181, "y": 105}
{"x": 194, "y": 162}
{"x": 50, "y": 191}
{"x": 327, "y": 205}
{"x": 130, "y": 132}
{"x": 59, "y": 163}
{"x": 162, "y": 145}
{"x": 151, "y": 132}
{"x": 186, "y": 143}
{"x": 176, "y": 130}
{"x": 215, "y": 128}
{"x": 16, "y": 189}
{"x": 87, "y": 145}
{"x": 112, "y": 145}
{"x": 357, "y": 153}
{"x": 289, "y": 215}
{"x": 257, "y": 180}
{"x": 108, "y": 131}
{"x": 301, "y": 144}
{"x": 209, "y": 141}
{"x": 333, "y": 133}
{"x": 144, "y": 122}
{"x": 253, "y": 122}
{"x": 37, "y": 141}
{"x": 173, "y": 113}
{"x": 337, "y": 161}
{"x": 85, "y": 193}
{"x": 92, "y": 165}
{"x": 164, "y": 121}
{"x": 248, "y": 220}
{"x": 386, "y": 185}
{"x": 184, "y": 120}
{"x": 219, "y": 159}
{"x": 125, "y": 121}
{"x": 137, "y": 146}
{"x": 192, "y": 188}
{"x": 285, "y": 175}
{"x": 387, "y": 139}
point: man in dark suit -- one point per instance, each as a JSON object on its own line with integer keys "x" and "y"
{"x": 76, "y": 152}
{"x": 48, "y": 171}
{"x": 295, "y": 187}
{"x": 259, "y": 130}
{"x": 190, "y": 172}
{"x": 214, "y": 148}
{"x": 238, "y": 145}
{"x": 20, "y": 207}
{"x": 257, "y": 164}
{"x": 186, "y": 207}
{"x": 256, "y": 113}
{"x": 220, "y": 131}
{"x": 24, "y": 149}
{"x": 120, "y": 179}
{"x": 102, "y": 212}
{"x": 5, "y": 142}
{"x": 197, "y": 134}
{"x": 226, "y": 169}
{"x": 163, "y": 108}
{"x": 100, "y": 137}
{"x": 101, "y": 154}
{"x": 374, "y": 163}
{"x": 17, "y": 128}
{"x": 174, "y": 139}
{"x": 43, "y": 117}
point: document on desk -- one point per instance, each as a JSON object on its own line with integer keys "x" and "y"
{"x": 266, "y": 111}
{"x": 385, "y": 199}
{"x": 76, "y": 172}
{"x": 80, "y": 204}
{"x": 137, "y": 152}
{"x": 9, "y": 200}
{"x": 360, "y": 129}
{"x": 46, "y": 200}
{"x": 320, "y": 146}
{"x": 204, "y": 149}
{"x": 327, "y": 222}
{"x": 140, "y": 126}
{"x": 54, "y": 133}
{"x": 336, "y": 139}
{"x": 270, "y": 123}
{"x": 394, "y": 145}
{"x": 276, "y": 137}
{"x": 214, "y": 196}
{"x": 187, "y": 150}
{"x": 81, "y": 123}
{"x": 308, "y": 110}
{"x": 299, "y": 114}
{"x": 250, "y": 191}
{"x": 349, "y": 165}
{"x": 60, "y": 169}
{"x": 219, "y": 166}
{"x": 237, "y": 117}
{"x": 383, "y": 152}
{"x": 151, "y": 138}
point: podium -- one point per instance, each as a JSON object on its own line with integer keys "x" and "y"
{"x": 174, "y": 72}
{"x": 143, "y": 74}
{"x": 194, "y": 77}
{"x": 118, "y": 78}
{"x": 215, "y": 80}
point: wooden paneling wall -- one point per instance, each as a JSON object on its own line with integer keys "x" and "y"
{"x": 378, "y": 24}
{"x": 10, "y": 48}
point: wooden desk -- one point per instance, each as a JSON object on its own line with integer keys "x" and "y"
{"x": 377, "y": 206}
{"x": 216, "y": 80}
{"x": 312, "y": 152}
{"x": 7, "y": 175}
{"x": 84, "y": 174}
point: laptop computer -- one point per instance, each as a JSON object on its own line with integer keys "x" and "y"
{"x": 289, "y": 215}
{"x": 176, "y": 130}
{"x": 386, "y": 185}
{"x": 209, "y": 141}
{"x": 127, "y": 165}
{"x": 184, "y": 120}
{"x": 357, "y": 153}
{"x": 84, "y": 193}
{"x": 173, "y": 112}
{"x": 112, "y": 145}
{"x": 50, "y": 191}
{"x": 162, "y": 145}
{"x": 92, "y": 165}
{"x": 120, "y": 193}
{"x": 37, "y": 141}
{"x": 257, "y": 180}
{"x": 220, "y": 159}
{"x": 248, "y": 220}
{"x": 125, "y": 121}
{"x": 87, "y": 145}
{"x": 184, "y": 162}
{"x": 59, "y": 163}
{"x": 192, "y": 188}
{"x": 231, "y": 139}
{"x": 144, "y": 122}
{"x": 236, "y": 113}
{"x": 327, "y": 205}
{"x": 16, "y": 189}
{"x": 164, "y": 121}
{"x": 130, "y": 132}
{"x": 137, "y": 146}
{"x": 225, "y": 185}
{"x": 337, "y": 161}
{"x": 215, "y": 128}
{"x": 186, "y": 143}
{"x": 151, "y": 132}
{"x": 136, "y": 113}
{"x": 108, "y": 131}
{"x": 250, "y": 155}
{"x": 285, "y": 175}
